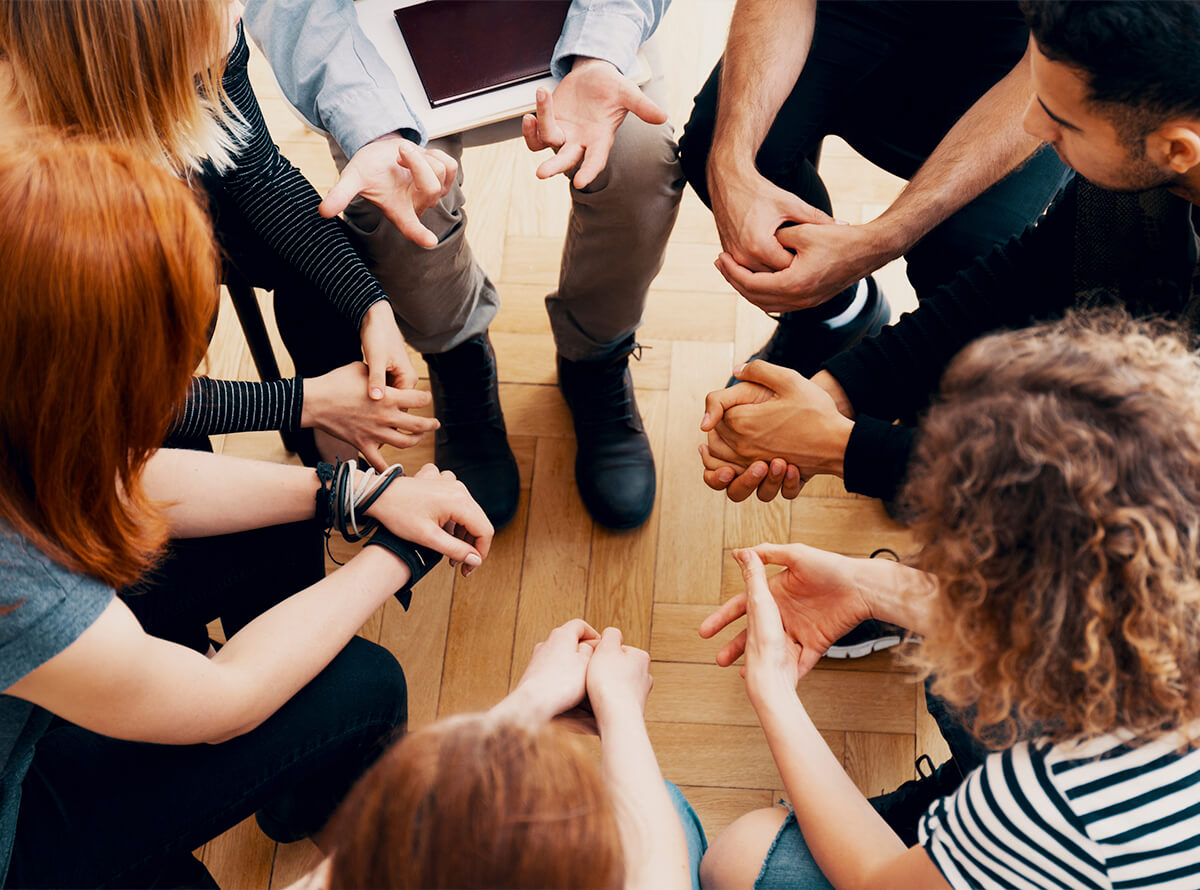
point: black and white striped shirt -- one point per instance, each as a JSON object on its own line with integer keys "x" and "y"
{"x": 281, "y": 206}
{"x": 1102, "y": 813}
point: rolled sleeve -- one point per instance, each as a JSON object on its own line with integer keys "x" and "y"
{"x": 612, "y": 30}
{"x": 330, "y": 70}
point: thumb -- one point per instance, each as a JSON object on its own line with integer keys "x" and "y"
{"x": 776, "y": 554}
{"x": 643, "y": 106}
{"x": 801, "y": 211}
{"x": 376, "y": 376}
{"x": 349, "y": 184}
{"x": 773, "y": 377}
{"x": 717, "y": 402}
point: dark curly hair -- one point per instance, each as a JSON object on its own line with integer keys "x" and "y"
{"x": 1056, "y": 495}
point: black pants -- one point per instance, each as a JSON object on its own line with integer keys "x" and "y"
{"x": 317, "y": 336}
{"x": 98, "y": 812}
{"x": 892, "y": 79}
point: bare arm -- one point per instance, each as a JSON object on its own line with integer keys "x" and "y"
{"x": 847, "y": 837}
{"x": 765, "y": 52}
{"x": 117, "y": 680}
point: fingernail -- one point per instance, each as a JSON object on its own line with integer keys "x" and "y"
{"x": 704, "y": 419}
{"x": 758, "y": 471}
{"x": 739, "y": 368}
{"x": 453, "y": 563}
{"x": 472, "y": 560}
{"x": 725, "y": 476}
{"x": 467, "y": 571}
{"x": 376, "y": 392}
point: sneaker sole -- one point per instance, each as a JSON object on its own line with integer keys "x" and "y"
{"x": 863, "y": 649}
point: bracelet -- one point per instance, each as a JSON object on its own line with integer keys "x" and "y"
{"x": 325, "y": 474}
{"x": 419, "y": 559}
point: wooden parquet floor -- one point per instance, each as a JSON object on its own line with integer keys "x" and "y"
{"x": 466, "y": 641}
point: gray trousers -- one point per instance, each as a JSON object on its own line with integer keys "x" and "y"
{"x": 615, "y": 240}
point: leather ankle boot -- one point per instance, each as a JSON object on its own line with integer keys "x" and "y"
{"x": 614, "y": 468}
{"x": 472, "y": 441}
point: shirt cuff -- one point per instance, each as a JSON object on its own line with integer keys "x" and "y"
{"x": 877, "y": 457}
{"x": 612, "y": 37}
{"x": 356, "y": 120}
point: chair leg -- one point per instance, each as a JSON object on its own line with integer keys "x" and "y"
{"x": 249, "y": 314}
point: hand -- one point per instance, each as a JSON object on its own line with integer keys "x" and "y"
{"x": 774, "y": 412}
{"x": 767, "y": 480}
{"x": 824, "y": 260}
{"x": 337, "y": 403}
{"x": 618, "y": 680}
{"x": 383, "y": 348}
{"x": 749, "y": 210}
{"x": 772, "y": 657}
{"x": 400, "y": 178}
{"x": 817, "y": 598}
{"x": 433, "y": 508}
{"x": 580, "y": 119}
{"x": 556, "y": 679}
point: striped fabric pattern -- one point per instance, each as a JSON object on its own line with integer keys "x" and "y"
{"x": 1104, "y": 813}
{"x": 214, "y": 407}
{"x": 281, "y": 205}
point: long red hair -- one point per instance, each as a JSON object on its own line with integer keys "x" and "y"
{"x": 108, "y": 273}
{"x": 474, "y": 803}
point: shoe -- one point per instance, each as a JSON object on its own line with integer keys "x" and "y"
{"x": 903, "y": 808}
{"x": 614, "y": 467}
{"x": 803, "y": 344}
{"x": 472, "y": 441}
{"x": 871, "y": 635}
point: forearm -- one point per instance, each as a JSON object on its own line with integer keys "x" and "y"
{"x": 274, "y": 656}
{"x": 651, "y": 834}
{"x": 896, "y": 593}
{"x": 215, "y": 407}
{"x": 210, "y": 494}
{"x": 986, "y": 144}
{"x": 849, "y": 840}
{"x": 765, "y": 52}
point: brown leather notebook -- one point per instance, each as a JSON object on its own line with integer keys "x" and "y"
{"x": 463, "y": 48}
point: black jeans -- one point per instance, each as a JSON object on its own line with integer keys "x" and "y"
{"x": 98, "y": 812}
{"x": 892, "y": 79}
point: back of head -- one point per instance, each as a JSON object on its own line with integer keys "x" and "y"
{"x": 474, "y": 803}
{"x": 108, "y": 273}
{"x": 1057, "y": 498}
{"x": 126, "y": 71}
{"x": 1138, "y": 57}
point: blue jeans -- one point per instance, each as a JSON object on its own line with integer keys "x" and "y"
{"x": 789, "y": 864}
{"x": 693, "y": 832}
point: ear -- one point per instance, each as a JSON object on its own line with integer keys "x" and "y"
{"x": 1175, "y": 145}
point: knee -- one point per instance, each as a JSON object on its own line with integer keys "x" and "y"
{"x": 735, "y": 858}
{"x": 643, "y": 165}
{"x": 369, "y": 679}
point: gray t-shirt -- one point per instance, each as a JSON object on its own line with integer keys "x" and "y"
{"x": 53, "y": 606}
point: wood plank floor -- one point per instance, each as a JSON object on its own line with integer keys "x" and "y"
{"x": 465, "y": 642}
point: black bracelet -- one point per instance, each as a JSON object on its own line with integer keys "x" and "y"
{"x": 419, "y": 559}
{"x": 325, "y": 476}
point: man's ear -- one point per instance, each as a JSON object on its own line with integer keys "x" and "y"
{"x": 1175, "y": 145}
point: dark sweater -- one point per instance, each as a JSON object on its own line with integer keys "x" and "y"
{"x": 281, "y": 206}
{"x": 1090, "y": 246}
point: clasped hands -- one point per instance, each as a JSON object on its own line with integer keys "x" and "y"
{"x": 770, "y": 433}
{"x": 576, "y": 663}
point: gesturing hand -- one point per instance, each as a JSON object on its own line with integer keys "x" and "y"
{"x": 337, "y": 403}
{"x": 383, "y": 349}
{"x": 400, "y": 178}
{"x": 421, "y": 508}
{"x": 556, "y": 677}
{"x": 815, "y": 598}
{"x": 618, "y": 680}
{"x": 580, "y": 119}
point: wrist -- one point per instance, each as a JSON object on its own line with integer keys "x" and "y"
{"x": 825, "y": 453}
{"x": 619, "y": 716}
{"x": 834, "y": 390}
{"x": 891, "y": 235}
{"x": 771, "y": 694}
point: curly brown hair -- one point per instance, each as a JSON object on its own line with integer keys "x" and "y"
{"x": 1056, "y": 493}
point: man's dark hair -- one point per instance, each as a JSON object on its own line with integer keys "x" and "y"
{"x": 1140, "y": 58}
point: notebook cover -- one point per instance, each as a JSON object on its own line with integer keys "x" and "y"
{"x": 463, "y": 48}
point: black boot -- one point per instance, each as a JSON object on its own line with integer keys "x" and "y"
{"x": 803, "y": 343}
{"x": 614, "y": 468}
{"x": 472, "y": 441}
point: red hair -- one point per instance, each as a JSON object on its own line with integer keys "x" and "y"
{"x": 472, "y": 803}
{"x": 108, "y": 273}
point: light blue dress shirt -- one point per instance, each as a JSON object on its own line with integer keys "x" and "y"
{"x": 334, "y": 76}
